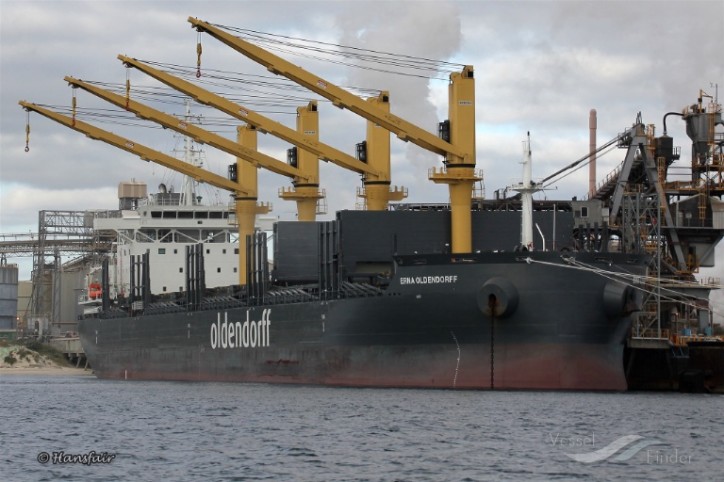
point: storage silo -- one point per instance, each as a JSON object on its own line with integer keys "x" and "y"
{"x": 8, "y": 299}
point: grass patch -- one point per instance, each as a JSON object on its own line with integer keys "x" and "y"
{"x": 47, "y": 351}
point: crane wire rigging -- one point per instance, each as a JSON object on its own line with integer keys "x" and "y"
{"x": 233, "y": 78}
{"x": 320, "y": 50}
{"x": 269, "y": 94}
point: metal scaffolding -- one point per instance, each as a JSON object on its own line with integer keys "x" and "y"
{"x": 60, "y": 234}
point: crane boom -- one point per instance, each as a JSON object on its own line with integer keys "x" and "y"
{"x": 145, "y": 153}
{"x": 264, "y": 124}
{"x": 339, "y": 97}
{"x": 188, "y": 129}
{"x": 457, "y": 145}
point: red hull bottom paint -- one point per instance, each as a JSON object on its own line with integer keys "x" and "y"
{"x": 518, "y": 367}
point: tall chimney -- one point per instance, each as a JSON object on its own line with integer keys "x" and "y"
{"x": 592, "y": 124}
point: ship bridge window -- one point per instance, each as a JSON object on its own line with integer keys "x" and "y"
{"x": 215, "y": 215}
{"x": 156, "y": 214}
{"x": 185, "y": 215}
{"x": 201, "y": 215}
{"x": 169, "y": 214}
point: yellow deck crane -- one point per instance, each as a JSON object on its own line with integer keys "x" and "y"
{"x": 244, "y": 189}
{"x": 306, "y": 201}
{"x": 374, "y": 167}
{"x": 376, "y": 190}
{"x": 305, "y": 193}
{"x": 457, "y": 144}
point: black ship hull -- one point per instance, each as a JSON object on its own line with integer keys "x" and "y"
{"x": 497, "y": 320}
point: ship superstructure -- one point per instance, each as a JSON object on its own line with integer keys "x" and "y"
{"x": 161, "y": 225}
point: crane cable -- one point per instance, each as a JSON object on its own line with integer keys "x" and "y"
{"x": 319, "y": 50}
{"x": 586, "y": 157}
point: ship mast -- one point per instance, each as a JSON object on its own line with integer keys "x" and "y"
{"x": 191, "y": 156}
{"x": 526, "y": 190}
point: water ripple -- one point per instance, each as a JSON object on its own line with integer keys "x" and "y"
{"x": 233, "y": 432}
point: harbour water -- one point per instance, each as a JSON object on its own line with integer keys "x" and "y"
{"x": 82, "y": 428}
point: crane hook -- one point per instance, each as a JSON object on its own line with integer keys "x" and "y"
{"x": 27, "y": 132}
{"x": 74, "y": 104}
{"x": 198, "y": 55}
{"x": 128, "y": 86}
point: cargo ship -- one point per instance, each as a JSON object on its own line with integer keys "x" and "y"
{"x": 436, "y": 296}
{"x": 342, "y": 310}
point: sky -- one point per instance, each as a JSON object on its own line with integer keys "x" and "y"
{"x": 540, "y": 67}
